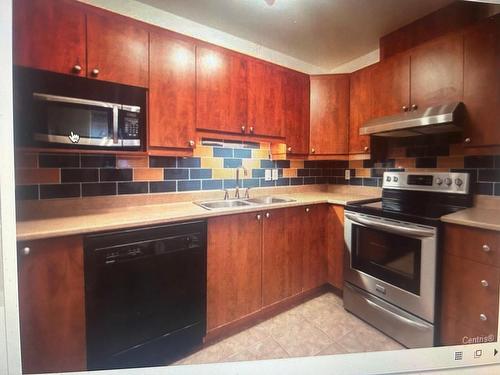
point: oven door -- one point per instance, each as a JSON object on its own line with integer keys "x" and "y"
{"x": 393, "y": 260}
{"x": 79, "y": 122}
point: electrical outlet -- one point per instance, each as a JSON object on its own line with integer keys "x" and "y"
{"x": 268, "y": 175}
{"x": 347, "y": 174}
{"x": 275, "y": 174}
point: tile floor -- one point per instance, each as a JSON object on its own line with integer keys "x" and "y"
{"x": 320, "y": 326}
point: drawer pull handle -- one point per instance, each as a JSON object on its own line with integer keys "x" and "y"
{"x": 483, "y": 317}
{"x": 26, "y": 251}
{"x": 484, "y": 283}
{"x": 486, "y": 248}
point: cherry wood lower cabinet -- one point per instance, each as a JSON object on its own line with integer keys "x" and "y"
{"x": 470, "y": 286}
{"x": 336, "y": 246}
{"x": 52, "y": 305}
{"x": 314, "y": 246}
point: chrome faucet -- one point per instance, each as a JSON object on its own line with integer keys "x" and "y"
{"x": 245, "y": 173}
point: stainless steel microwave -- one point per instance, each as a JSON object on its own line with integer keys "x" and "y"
{"x": 83, "y": 122}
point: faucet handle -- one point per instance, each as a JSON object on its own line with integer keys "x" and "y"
{"x": 237, "y": 192}
{"x": 226, "y": 194}
{"x": 247, "y": 193}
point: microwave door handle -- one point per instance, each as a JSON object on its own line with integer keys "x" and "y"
{"x": 390, "y": 227}
{"x": 115, "y": 124}
{"x": 397, "y": 316}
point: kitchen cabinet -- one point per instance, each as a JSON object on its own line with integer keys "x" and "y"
{"x": 221, "y": 90}
{"x": 297, "y": 93}
{"x": 265, "y": 99}
{"x": 470, "y": 286}
{"x": 172, "y": 92}
{"x": 482, "y": 83}
{"x": 314, "y": 245}
{"x": 391, "y": 86}
{"x": 437, "y": 72}
{"x": 361, "y": 109}
{"x": 117, "y": 50}
{"x": 52, "y": 305}
{"x": 50, "y": 35}
{"x": 234, "y": 268}
{"x": 329, "y": 126}
{"x": 336, "y": 246}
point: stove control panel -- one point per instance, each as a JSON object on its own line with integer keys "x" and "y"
{"x": 446, "y": 182}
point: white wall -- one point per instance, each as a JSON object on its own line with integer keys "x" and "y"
{"x": 10, "y": 353}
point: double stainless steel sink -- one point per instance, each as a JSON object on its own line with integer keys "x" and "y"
{"x": 240, "y": 203}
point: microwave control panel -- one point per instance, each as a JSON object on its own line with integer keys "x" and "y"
{"x": 131, "y": 125}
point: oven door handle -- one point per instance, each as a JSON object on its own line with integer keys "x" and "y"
{"x": 397, "y": 316}
{"x": 391, "y": 228}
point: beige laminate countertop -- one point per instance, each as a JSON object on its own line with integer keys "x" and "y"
{"x": 479, "y": 217}
{"x": 105, "y": 220}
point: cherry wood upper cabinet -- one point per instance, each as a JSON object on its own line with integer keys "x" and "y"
{"x": 52, "y": 305}
{"x": 117, "y": 50}
{"x": 265, "y": 99}
{"x": 50, "y": 35}
{"x": 329, "y": 124}
{"x": 361, "y": 109}
{"x": 221, "y": 90}
{"x": 281, "y": 255}
{"x": 391, "y": 86}
{"x": 234, "y": 268}
{"x": 172, "y": 92}
{"x": 482, "y": 83}
{"x": 296, "y": 91}
{"x": 437, "y": 72}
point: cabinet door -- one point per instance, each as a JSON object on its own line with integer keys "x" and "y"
{"x": 314, "y": 259}
{"x": 234, "y": 268}
{"x": 437, "y": 72}
{"x": 469, "y": 300}
{"x": 221, "y": 90}
{"x": 117, "y": 50}
{"x": 296, "y": 87}
{"x": 361, "y": 109}
{"x": 329, "y": 126}
{"x": 281, "y": 258}
{"x": 482, "y": 83}
{"x": 391, "y": 86}
{"x": 336, "y": 246}
{"x": 265, "y": 99}
{"x": 49, "y": 35}
{"x": 172, "y": 92}
{"x": 52, "y": 306}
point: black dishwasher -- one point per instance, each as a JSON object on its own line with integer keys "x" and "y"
{"x": 145, "y": 295}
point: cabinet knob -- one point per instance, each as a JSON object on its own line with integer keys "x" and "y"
{"x": 486, "y": 248}
{"x": 268, "y": 215}
{"x": 467, "y": 140}
{"x": 251, "y": 129}
{"x": 484, "y": 283}
{"x": 258, "y": 217}
{"x": 95, "y": 72}
{"x": 366, "y": 148}
{"x": 191, "y": 143}
{"x": 414, "y": 107}
{"x": 26, "y": 250}
{"x": 289, "y": 149}
{"x": 404, "y": 108}
{"x": 77, "y": 69}
{"x": 308, "y": 209}
{"x": 313, "y": 150}
{"x": 483, "y": 317}
{"x": 243, "y": 128}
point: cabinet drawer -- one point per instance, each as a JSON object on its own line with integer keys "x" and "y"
{"x": 475, "y": 244}
{"x": 470, "y": 297}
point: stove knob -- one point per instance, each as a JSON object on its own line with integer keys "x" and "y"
{"x": 388, "y": 179}
{"x": 439, "y": 181}
{"x": 395, "y": 179}
{"x": 458, "y": 182}
{"x": 447, "y": 181}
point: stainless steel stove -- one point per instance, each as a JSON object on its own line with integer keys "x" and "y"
{"x": 393, "y": 253}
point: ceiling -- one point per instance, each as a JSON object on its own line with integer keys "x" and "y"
{"x": 324, "y": 33}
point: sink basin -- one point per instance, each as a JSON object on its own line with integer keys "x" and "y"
{"x": 269, "y": 200}
{"x": 210, "y": 205}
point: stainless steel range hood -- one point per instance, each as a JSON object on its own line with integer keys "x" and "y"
{"x": 440, "y": 119}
